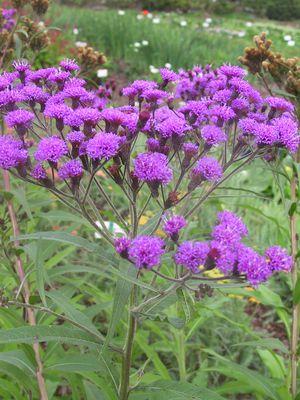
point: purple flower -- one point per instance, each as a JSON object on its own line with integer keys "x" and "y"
{"x": 278, "y": 259}
{"x": 223, "y": 96}
{"x": 153, "y": 145}
{"x": 168, "y": 75}
{"x": 113, "y": 116}
{"x": 152, "y": 167}
{"x": 172, "y": 126}
{"x": 76, "y": 137}
{"x": 141, "y": 86}
{"x": 232, "y": 71}
{"x": 174, "y": 224}
{"x": 57, "y": 111}
{"x": 12, "y": 153}
{"x": 51, "y": 149}
{"x": 69, "y": 65}
{"x": 287, "y": 130}
{"x": 7, "y": 79}
{"x": 58, "y": 76}
{"x": 21, "y": 65}
{"x": 8, "y": 98}
{"x": 230, "y": 229}
{"x": 223, "y": 113}
{"x": 208, "y": 168}
{"x": 39, "y": 173}
{"x": 153, "y": 95}
{"x": 213, "y": 135}
{"x": 90, "y": 116}
{"x": 122, "y": 245}
{"x": 192, "y": 255}
{"x": 33, "y": 93}
{"x": 8, "y": 13}
{"x": 19, "y": 118}
{"x": 129, "y": 91}
{"x": 71, "y": 169}
{"x": 146, "y": 251}
{"x": 190, "y": 149}
{"x": 265, "y": 134}
{"x": 103, "y": 145}
{"x": 40, "y": 74}
{"x": 72, "y": 119}
{"x": 253, "y": 265}
{"x": 280, "y": 104}
{"x": 240, "y": 105}
{"x": 75, "y": 92}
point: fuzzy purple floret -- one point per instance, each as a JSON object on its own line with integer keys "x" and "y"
{"x": 51, "y": 149}
{"x": 12, "y": 153}
{"x": 19, "y": 118}
{"x": 192, "y": 255}
{"x": 174, "y": 224}
{"x": 208, "y": 168}
{"x": 213, "y": 135}
{"x": 278, "y": 259}
{"x": 122, "y": 245}
{"x": 38, "y": 172}
{"x": 150, "y": 167}
{"x": 103, "y": 145}
{"x": 146, "y": 251}
{"x": 71, "y": 169}
{"x": 69, "y": 65}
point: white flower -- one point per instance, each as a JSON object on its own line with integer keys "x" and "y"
{"x": 241, "y": 34}
{"x": 291, "y": 43}
{"x": 209, "y": 20}
{"x": 121, "y": 12}
{"x": 168, "y": 65}
{"x": 153, "y": 69}
{"x": 41, "y": 25}
{"x": 139, "y": 16}
{"x": 249, "y": 24}
{"x": 145, "y": 42}
{"x": 287, "y": 37}
{"x": 75, "y": 31}
{"x": 149, "y": 15}
{"x": 205, "y": 25}
{"x": 137, "y": 44}
{"x": 102, "y": 73}
{"x": 80, "y": 44}
{"x": 183, "y": 23}
{"x": 156, "y": 20}
{"x": 114, "y": 228}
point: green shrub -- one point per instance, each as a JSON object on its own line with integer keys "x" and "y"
{"x": 283, "y": 10}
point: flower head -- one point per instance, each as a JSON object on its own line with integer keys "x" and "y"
{"x": 103, "y": 145}
{"x": 12, "y": 153}
{"x": 146, "y": 251}
{"x": 151, "y": 167}
{"x": 213, "y": 134}
{"x": 278, "y": 259}
{"x": 19, "y": 118}
{"x": 71, "y": 169}
{"x": 174, "y": 224}
{"x": 208, "y": 168}
{"x": 168, "y": 75}
{"x": 69, "y": 65}
{"x": 192, "y": 255}
{"x": 51, "y": 149}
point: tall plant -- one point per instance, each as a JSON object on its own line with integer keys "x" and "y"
{"x": 168, "y": 149}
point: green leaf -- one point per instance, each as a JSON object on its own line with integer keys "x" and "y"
{"x": 18, "y": 359}
{"x": 34, "y": 334}
{"x": 176, "y": 391}
{"x": 70, "y": 311}
{"x": 92, "y": 392}
{"x": 77, "y": 363}
{"x": 296, "y": 293}
{"x": 121, "y": 297}
{"x": 62, "y": 237}
{"x": 259, "y": 383}
{"x": 270, "y": 344}
{"x": 292, "y": 209}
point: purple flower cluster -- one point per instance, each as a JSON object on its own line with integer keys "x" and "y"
{"x": 143, "y": 251}
{"x": 9, "y": 21}
{"x": 152, "y": 167}
{"x": 226, "y": 252}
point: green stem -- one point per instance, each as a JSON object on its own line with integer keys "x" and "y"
{"x": 127, "y": 357}
{"x": 181, "y": 355}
